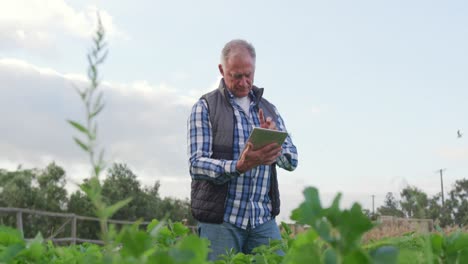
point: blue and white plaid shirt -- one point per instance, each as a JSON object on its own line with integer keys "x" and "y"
{"x": 247, "y": 200}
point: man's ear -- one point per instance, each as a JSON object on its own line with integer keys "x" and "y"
{"x": 220, "y": 67}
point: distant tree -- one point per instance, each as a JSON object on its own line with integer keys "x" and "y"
{"x": 153, "y": 209}
{"x": 51, "y": 188}
{"x": 17, "y": 189}
{"x": 414, "y": 202}
{"x": 390, "y": 207}
{"x": 120, "y": 184}
{"x": 177, "y": 210}
{"x": 52, "y": 196}
{"x": 147, "y": 204}
{"x": 459, "y": 200}
{"x": 80, "y": 204}
{"x": 443, "y": 215}
{"x": 34, "y": 189}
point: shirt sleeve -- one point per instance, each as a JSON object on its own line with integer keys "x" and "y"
{"x": 289, "y": 158}
{"x": 200, "y": 141}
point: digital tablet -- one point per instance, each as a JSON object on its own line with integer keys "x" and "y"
{"x": 262, "y": 136}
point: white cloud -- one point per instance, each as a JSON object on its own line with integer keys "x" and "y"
{"x": 193, "y": 95}
{"x": 142, "y": 124}
{"x": 25, "y": 66}
{"x": 36, "y": 24}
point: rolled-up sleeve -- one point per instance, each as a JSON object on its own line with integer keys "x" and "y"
{"x": 289, "y": 157}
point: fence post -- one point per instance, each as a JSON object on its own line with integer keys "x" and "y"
{"x": 19, "y": 222}
{"x": 73, "y": 230}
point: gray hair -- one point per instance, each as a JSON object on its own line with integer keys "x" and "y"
{"x": 236, "y": 44}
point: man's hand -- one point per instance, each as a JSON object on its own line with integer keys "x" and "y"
{"x": 250, "y": 158}
{"x": 266, "y": 123}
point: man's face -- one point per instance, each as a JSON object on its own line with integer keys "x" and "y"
{"x": 238, "y": 73}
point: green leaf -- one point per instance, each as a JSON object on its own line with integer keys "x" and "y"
{"x": 152, "y": 225}
{"x": 78, "y": 126}
{"x": 81, "y": 93}
{"x": 9, "y": 253}
{"x": 179, "y": 229}
{"x": 436, "y": 243}
{"x": 453, "y": 237}
{"x": 135, "y": 242}
{"x": 97, "y": 101}
{"x": 356, "y": 257}
{"x": 260, "y": 259}
{"x": 304, "y": 249}
{"x": 97, "y": 111}
{"x": 330, "y": 256}
{"x": 463, "y": 256}
{"x": 354, "y": 225}
{"x": 111, "y": 210}
{"x": 333, "y": 213}
{"x": 310, "y": 210}
{"x": 36, "y": 249}
{"x": 92, "y": 72}
{"x": 165, "y": 237}
{"x": 324, "y": 230}
{"x": 97, "y": 170}
{"x": 457, "y": 242}
{"x": 10, "y": 236}
{"x": 412, "y": 256}
{"x": 81, "y": 144}
{"x": 241, "y": 258}
{"x": 93, "y": 189}
{"x": 190, "y": 249}
{"x": 90, "y": 62}
{"x": 103, "y": 57}
{"x": 286, "y": 228}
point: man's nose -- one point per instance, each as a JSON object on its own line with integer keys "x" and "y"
{"x": 244, "y": 81}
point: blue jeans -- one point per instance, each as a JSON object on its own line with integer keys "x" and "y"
{"x": 225, "y": 236}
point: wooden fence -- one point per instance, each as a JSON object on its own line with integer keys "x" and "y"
{"x": 388, "y": 225}
{"x": 413, "y": 224}
{"x": 71, "y": 219}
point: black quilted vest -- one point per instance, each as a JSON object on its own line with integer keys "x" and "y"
{"x": 208, "y": 199}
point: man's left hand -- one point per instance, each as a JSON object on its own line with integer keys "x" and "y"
{"x": 266, "y": 123}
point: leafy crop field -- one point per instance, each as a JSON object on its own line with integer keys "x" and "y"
{"x": 334, "y": 236}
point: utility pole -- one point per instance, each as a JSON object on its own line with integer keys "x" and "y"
{"x": 373, "y": 209}
{"x": 442, "y": 187}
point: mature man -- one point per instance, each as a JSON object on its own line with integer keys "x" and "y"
{"x": 235, "y": 194}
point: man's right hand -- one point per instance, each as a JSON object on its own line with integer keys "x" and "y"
{"x": 250, "y": 158}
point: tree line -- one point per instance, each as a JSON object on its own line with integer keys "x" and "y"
{"x": 44, "y": 189}
{"x": 415, "y": 203}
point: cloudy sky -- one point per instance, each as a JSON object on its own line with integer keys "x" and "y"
{"x": 372, "y": 92}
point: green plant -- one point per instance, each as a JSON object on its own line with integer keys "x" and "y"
{"x": 452, "y": 248}
{"x": 92, "y": 99}
{"x": 340, "y": 231}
